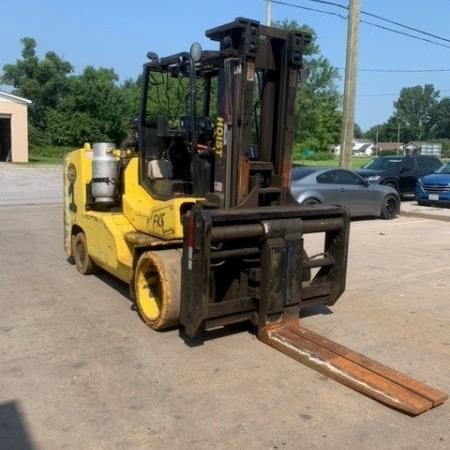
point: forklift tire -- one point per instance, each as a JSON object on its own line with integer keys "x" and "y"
{"x": 157, "y": 287}
{"x": 83, "y": 261}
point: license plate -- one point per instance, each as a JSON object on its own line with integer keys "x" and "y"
{"x": 433, "y": 197}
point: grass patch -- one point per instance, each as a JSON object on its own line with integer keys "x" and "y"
{"x": 48, "y": 154}
{"x": 48, "y": 160}
{"x": 357, "y": 162}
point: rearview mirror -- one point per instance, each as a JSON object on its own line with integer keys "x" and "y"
{"x": 365, "y": 182}
{"x": 196, "y": 52}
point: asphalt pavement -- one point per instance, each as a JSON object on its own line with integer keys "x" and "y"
{"x": 412, "y": 209}
{"x": 79, "y": 370}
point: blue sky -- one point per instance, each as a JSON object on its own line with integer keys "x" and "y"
{"x": 117, "y": 34}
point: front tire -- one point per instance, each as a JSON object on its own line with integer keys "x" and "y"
{"x": 157, "y": 288}
{"x": 390, "y": 207}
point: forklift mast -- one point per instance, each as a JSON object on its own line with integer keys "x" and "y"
{"x": 243, "y": 256}
{"x": 256, "y": 116}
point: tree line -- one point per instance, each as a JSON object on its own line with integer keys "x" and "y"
{"x": 69, "y": 109}
{"x": 420, "y": 114}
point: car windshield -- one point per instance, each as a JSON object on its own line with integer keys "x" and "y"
{"x": 444, "y": 169}
{"x": 384, "y": 163}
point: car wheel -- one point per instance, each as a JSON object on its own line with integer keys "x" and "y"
{"x": 390, "y": 208}
{"x": 311, "y": 201}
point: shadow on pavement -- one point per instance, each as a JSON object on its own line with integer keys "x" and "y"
{"x": 13, "y": 433}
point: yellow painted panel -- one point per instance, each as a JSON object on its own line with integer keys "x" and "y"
{"x": 105, "y": 230}
{"x": 159, "y": 218}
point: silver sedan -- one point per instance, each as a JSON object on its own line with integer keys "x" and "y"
{"x": 311, "y": 186}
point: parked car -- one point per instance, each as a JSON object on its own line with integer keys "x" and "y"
{"x": 339, "y": 186}
{"x": 400, "y": 172}
{"x": 434, "y": 189}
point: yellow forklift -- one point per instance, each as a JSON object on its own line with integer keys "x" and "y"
{"x": 196, "y": 213}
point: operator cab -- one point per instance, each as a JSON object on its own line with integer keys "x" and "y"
{"x": 175, "y": 143}
{"x": 247, "y": 90}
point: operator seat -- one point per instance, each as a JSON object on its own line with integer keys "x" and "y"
{"x": 158, "y": 169}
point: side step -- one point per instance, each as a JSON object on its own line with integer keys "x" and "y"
{"x": 352, "y": 369}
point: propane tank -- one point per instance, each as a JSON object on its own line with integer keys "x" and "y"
{"x": 105, "y": 168}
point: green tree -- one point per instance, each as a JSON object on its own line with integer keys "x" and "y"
{"x": 385, "y": 132}
{"x": 318, "y": 101}
{"x": 71, "y": 109}
{"x": 441, "y": 119}
{"x": 44, "y": 81}
{"x": 94, "y": 109}
{"x": 357, "y": 132}
{"x": 131, "y": 89}
{"x": 414, "y": 111}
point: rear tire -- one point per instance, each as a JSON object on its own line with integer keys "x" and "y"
{"x": 83, "y": 261}
{"x": 157, "y": 288}
{"x": 390, "y": 208}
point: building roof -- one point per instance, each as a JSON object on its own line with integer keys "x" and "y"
{"x": 388, "y": 145}
{"x": 419, "y": 144}
{"x": 10, "y": 98}
{"x": 363, "y": 148}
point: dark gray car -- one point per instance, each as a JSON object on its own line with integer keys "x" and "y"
{"x": 343, "y": 187}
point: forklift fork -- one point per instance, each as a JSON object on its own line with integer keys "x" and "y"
{"x": 276, "y": 287}
{"x": 346, "y": 366}
{"x": 350, "y": 368}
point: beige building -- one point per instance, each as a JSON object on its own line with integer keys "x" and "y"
{"x": 13, "y": 128}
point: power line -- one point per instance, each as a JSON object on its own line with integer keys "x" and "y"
{"x": 376, "y": 16}
{"x": 324, "y": 2}
{"x": 393, "y": 94}
{"x": 404, "y": 26}
{"x": 399, "y": 70}
{"x": 404, "y": 34}
{"x": 330, "y": 13}
{"x": 294, "y": 5}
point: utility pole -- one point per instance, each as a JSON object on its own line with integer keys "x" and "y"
{"x": 268, "y": 13}
{"x": 376, "y": 144}
{"x": 351, "y": 67}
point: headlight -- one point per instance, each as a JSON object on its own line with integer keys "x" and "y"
{"x": 419, "y": 182}
{"x": 374, "y": 178}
